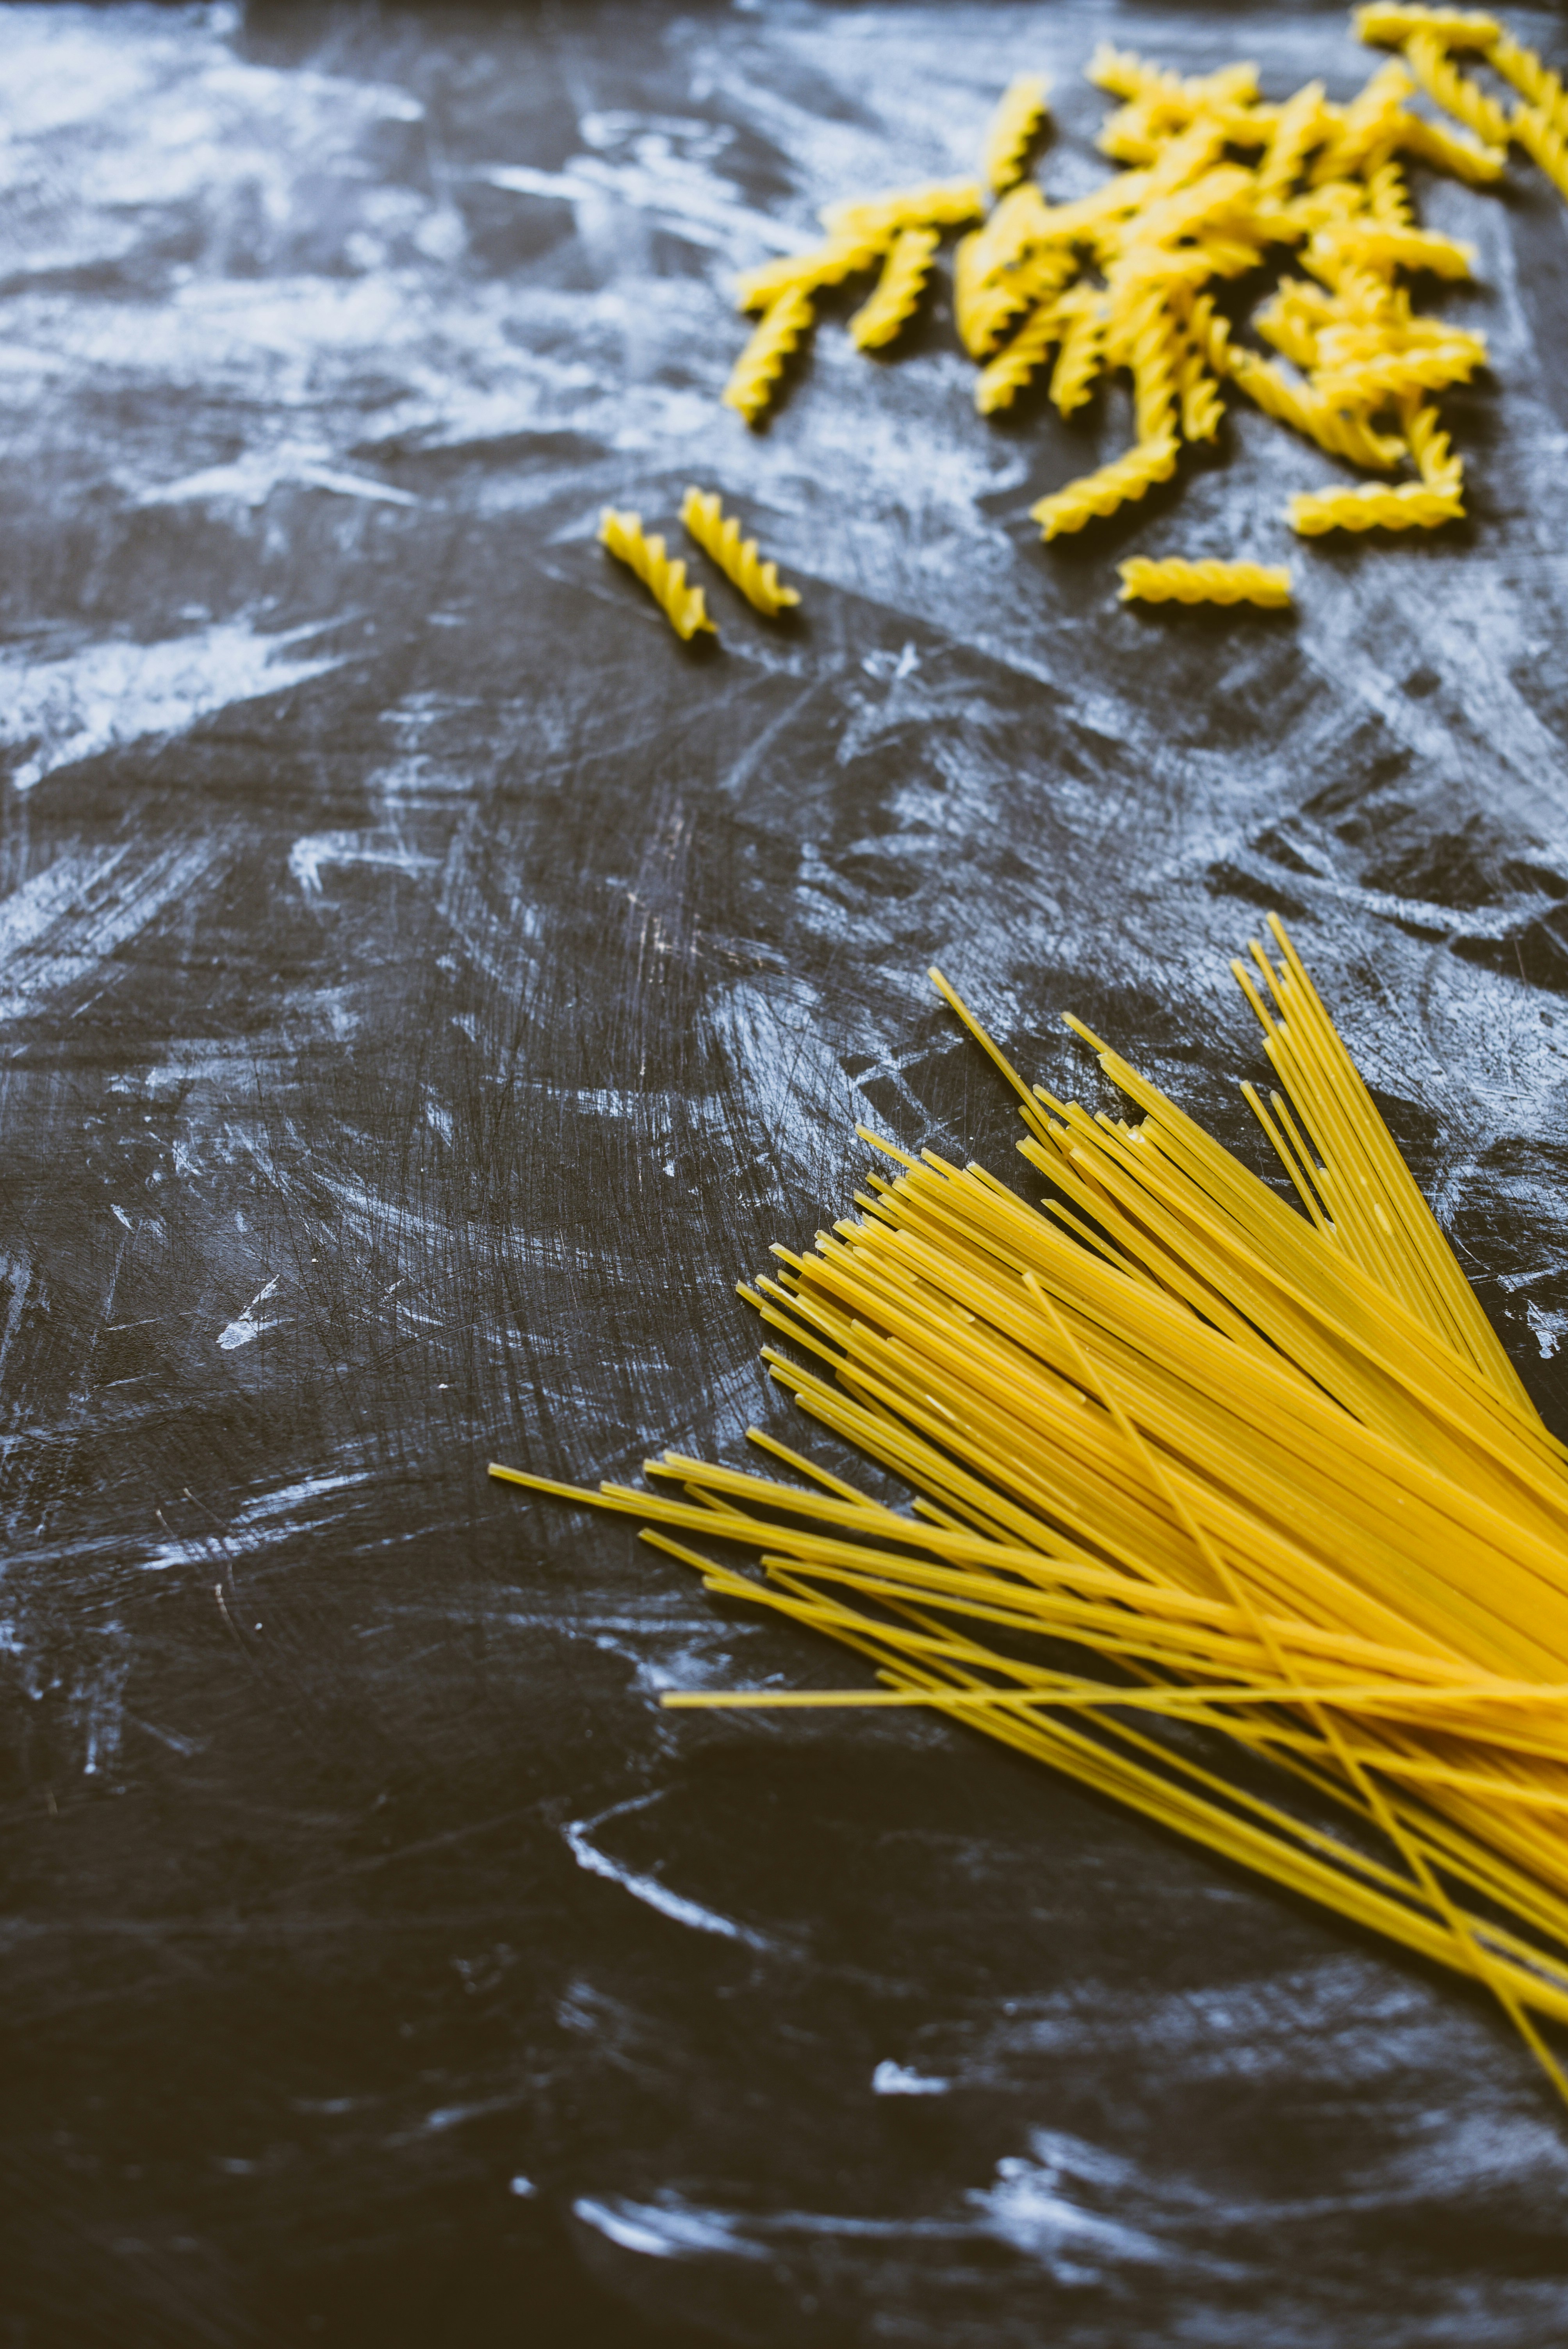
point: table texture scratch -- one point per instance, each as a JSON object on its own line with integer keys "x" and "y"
{"x": 425, "y": 986}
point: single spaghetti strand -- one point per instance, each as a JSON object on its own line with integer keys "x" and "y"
{"x": 682, "y": 606}
{"x": 719, "y": 538}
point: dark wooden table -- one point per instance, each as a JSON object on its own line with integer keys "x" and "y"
{"x": 426, "y": 986}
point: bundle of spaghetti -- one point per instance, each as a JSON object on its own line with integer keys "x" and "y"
{"x": 754, "y": 375}
{"x": 1183, "y": 1454}
{"x": 1375, "y": 505}
{"x": 806, "y": 272}
{"x": 1000, "y": 381}
{"x": 1080, "y": 359}
{"x": 682, "y": 606}
{"x": 936, "y": 204}
{"x": 1114, "y": 485}
{"x": 1177, "y": 581}
{"x": 718, "y": 536}
{"x": 896, "y": 295}
{"x": 1020, "y": 113}
{"x": 1427, "y": 58}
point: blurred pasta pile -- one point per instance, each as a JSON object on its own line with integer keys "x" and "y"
{"x": 1218, "y": 183}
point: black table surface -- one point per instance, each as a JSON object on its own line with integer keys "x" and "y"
{"x": 427, "y": 985}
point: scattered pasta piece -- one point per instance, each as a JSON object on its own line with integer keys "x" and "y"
{"x": 939, "y": 203}
{"x": 1373, "y": 506}
{"x": 719, "y": 538}
{"x": 999, "y": 383}
{"x": 1080, "y": 359}
{"x": 682, "y": 606}
{"x": 806, "y": 272}
{"x": 755, "y": 376}
{"x": 1175, "y": 581}
{"x": 1101, "y": 493}
{"x": 1429, "y": 60}
{"x": 1456, "y": 28}
{"x": 896, "y": 295}
{"x": 1019, "y": 114}
{"x": 1545, "y": 142}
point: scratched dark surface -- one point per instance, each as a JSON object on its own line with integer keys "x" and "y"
{"x": 424, "y": 986}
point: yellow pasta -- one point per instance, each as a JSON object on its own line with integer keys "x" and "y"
{"x": 1436, "y": 462}
{"x": 805, "y": 273}
{"x": 985, "y": 301}
{"x": 1309, "y": 413}
{"x": 1374, "y": 245}
{"x": 682, "y": 606}
{"x": 1202, "y": 410}
{"x": 1186, "y": 1455}
{"x": 1303, "y": 123}
{"x": 1370, "y": 383}
{"x": 1101, "y": 493}
{"x": 1430, "y": 143}
{"x": 1080, "y": 359}
{"x": 1465, "y": 99}
{"x": 999, "y": 382}
{"x": 755, "y": 376}
{"x": 1523, "y": 69}
{"x": 1545, "y": 142}
{"x": 937, "y": 203}
{"x": 896, "y": 295}
{"x": 1019, "y": 114}
{"x": 1176, "y": 581}
{"x": 719, "y": 538}
{"x": 1456, "y": 28}
{"x": 1373, "y": 506}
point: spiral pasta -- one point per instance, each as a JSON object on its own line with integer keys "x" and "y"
{"x": 1524, "y": 71}
{"x": 1202, "y": 410}
{"x": 1097, "y": 494}
{"x": 1373, "y": 506}
{"x": 896, "y": 295}
{"x": 1436, "y": 461}
{"x": 1544, "y": 142}
{"x": 1019, "y": 114}
{"x": 1435, "y": 70}
{"x": 754, "y": 375}
{"x": 1431, "y": 143}
{"x": 1177, "y": 581}
{"x": 985, "y": 302}
{"x": 999, "y": 383}
{"x": 1456, "y": 28}
{"x": 1080, "y": 359}
{"x": 937, "y": 203}
{"x": 1302, "y": 123}
{"x": 719, "y": 538}
{"x": 682, "y": 606}
{"x": 804, "y": 273}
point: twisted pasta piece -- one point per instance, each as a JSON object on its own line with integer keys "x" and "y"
{"x": 1176, "y": 581}
{"x": 999, "y": 383}
{"x": 682, "y": 606}
{"x": 897, "y": 292}
{"x": 1437, "y": 465}
{"x": 718, "y": 536}
{"x": 1456, "y": 28}
{"x": 1291, "y": 324}
{"x": 756, "y": 373}
{"x": 1373, "y": 506}
{"x": 1202, "y": 410}
{"x": 1544, "y": 142}
{"x": 1018, "y": 116}
{"x": 938, "y": 204}
{"x": 1367, "y": 123}
{"x": 1101, "y": 493}
{"x": 1372, "y": 382}
{"x": 1287, "y": 403}
{"x": 1379, "y": 247}
{"x": 804, "y": 273}
{"x": 1478, "y": 167}
{"x": 1153, "y": 354}
{"x": 1080, "y": 359}
{"x": 1523, "y": 70}
{"x": 1020, "y": 221}
{"x": 1429, "y": 60}
{"x": 985, "y": 304}
{"x": 1388, "y": 198}
{"x": 1303, "y": 123}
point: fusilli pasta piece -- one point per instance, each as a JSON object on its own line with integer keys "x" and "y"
{"x": 682, "y": 606}
{"x": 999, "y": 383}
{"x": 1524, "y": 70}
{"x": 1101, "y": 493}
{"x": 1456, "y": 28}
{"x": 1375, "y": 246}
{"x": 718, "y": 535}
{"x": 985, "y": 302}
{"x": 1373, "y": 506}
{"x": 1368, "y": 123}
{"x": 1544, "y": 143}
{"x": 1373, "y": 382}
{"x": 1297, "y": 405}
{"x": 804, "y": 273}
{"x": 1302, "y": 124}
{"x": 1080, "y": 359}
{"x": 1202, "y": 410}
{"x": 1436, "y": 462}
{"x": 1388, "y": 198}
{"x": 1429, "y": 60}
{"x": 1152, "y": 353}
{"x": 1430, "y": 143}
{"x": 1177, "y": 581}
{"x": 1018, "y": 116}
{"x": 756, "y": 373}
{"x": 938, "y": 204}
{"x": 897, "y": 292}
